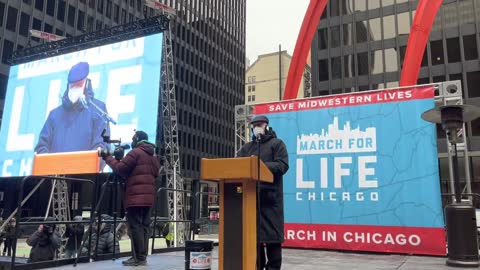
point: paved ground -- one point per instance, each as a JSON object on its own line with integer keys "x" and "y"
{"x": 294, "y": 259}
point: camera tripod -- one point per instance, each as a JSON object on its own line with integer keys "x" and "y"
{"x": 114, "y": 182}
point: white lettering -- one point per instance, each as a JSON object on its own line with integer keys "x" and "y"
{"x": 323, "y": 173}
{"x": 16, "y": 141}
{"x": 25, "y": 166}
{"x": 414, "y": 240}
{"x": 339, "y": 171}
{"x": 116, "y": 80}
{"x": 300, "y": 182}
{"x": 349, "y": 235}
{"x": 6, "y": 164}
{"x": 363, "y": 172}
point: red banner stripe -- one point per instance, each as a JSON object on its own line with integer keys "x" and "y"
{"x": 389, "y": 239}
{"x": 352, "y": 99}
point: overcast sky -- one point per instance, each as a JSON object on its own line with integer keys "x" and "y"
{"x": 273, "y": 22}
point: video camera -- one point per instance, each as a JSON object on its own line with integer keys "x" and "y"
{"x": 48, "y": 229}
{"x": 119, "y": 151}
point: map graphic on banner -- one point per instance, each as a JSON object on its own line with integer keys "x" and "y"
{"x": 363, "y": 172}
{"x": 57, "y": 104}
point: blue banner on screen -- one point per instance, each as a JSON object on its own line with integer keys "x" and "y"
{"x": 363, "y": 172}
{"x": 65, "y": 103}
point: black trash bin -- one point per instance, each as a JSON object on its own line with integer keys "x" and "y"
{"x": 461, "y": 235}
{"x": 198, "y": 254}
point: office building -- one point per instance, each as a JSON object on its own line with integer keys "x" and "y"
{"x": 266, "y": 78}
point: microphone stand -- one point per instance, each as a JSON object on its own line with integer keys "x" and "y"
{"x": 99, "y": 111}
{"x": 259, "y": 245}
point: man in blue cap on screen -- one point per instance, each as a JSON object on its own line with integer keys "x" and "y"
{"x": 75, "y": 125}
{"x": 273, "y": 153}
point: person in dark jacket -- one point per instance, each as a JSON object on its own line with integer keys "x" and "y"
{"x": 107, "y": 241}
{"x": 9, "y": 235}
{"x": 139, "y": 167}
{"x": 77, "y": 124}
{"x": 44, "y": 242}
{"x": 74, "y": 234}
{"x": 273, "y": 153}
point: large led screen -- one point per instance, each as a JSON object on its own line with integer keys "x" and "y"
{"x": 66, "y": 103}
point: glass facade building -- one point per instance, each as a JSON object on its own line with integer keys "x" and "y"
{"x": 360, "y": 45}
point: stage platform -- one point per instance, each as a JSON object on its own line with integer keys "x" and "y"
{"x": 294, "y": 259}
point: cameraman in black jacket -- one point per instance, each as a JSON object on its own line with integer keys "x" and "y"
{"x": 44, "y": 242}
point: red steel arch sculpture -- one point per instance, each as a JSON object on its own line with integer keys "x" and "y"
{"x": 417, "y": 41}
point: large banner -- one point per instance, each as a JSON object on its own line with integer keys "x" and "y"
{"x": 67, "y": 102}
{"x": 363, "y": 172}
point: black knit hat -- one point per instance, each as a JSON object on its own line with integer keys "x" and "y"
{"x": 141, "y": 135}
{"x": 259, "y": 119}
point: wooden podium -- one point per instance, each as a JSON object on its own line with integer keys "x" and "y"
{"x": 81, "y": 162}
{"x": 238, "y": 208}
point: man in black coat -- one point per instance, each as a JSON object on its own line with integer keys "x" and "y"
{"x": 74, "y": 234}
{"x": 273, "y": 153}
{"x": 45, "y": 243}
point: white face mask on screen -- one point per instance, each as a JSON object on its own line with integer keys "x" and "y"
{"x": 75, "y": 93}
{"x": 258, "y": 131}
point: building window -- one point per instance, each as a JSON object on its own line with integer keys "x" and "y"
{"x": 80, "y": 20}
{"x": 58, "y": 32}
{"x": 436, "y": 48}
{"x": 3, "y": 90}
{"x": 249, "y": 88}
{"x": 453, "y": 50}
{"x": 61, "y": 11}
{"x": 470, "y": 47}
{"x": 109, "y": 9}
{"x": 124, "y": 16}
{"x": 98, "y": 25}
{"x": 2, "y": 10}
{"x": 90, "y": 21}
{"x": 39, "y": 4}
{"x": 253, "y": 98}
{"x": 139, "y": 5}
{"x": 100, "y": 6}
{"x": 71, "y": 16}
{"x": 473, "y": 81}
{"x": 7, "y": 50}
{"x": 51, "y": 7}
{"x": 48, "y": 28}
{"x": 253, "y": 88}
{"x": 323, "y": 70}
{"x": 249, "y": 98}
{"x": 116, "y": 14}
{"x": 12, "y": 19}
{"x": 132, "y": 3}
{"x": 37, "y": 24}
{"x": 91, "y": 4}
{"x": 322, "y": 39}
{"x": 24, "y": 24}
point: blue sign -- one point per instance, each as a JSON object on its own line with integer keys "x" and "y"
{"x": 363, "y": 160}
